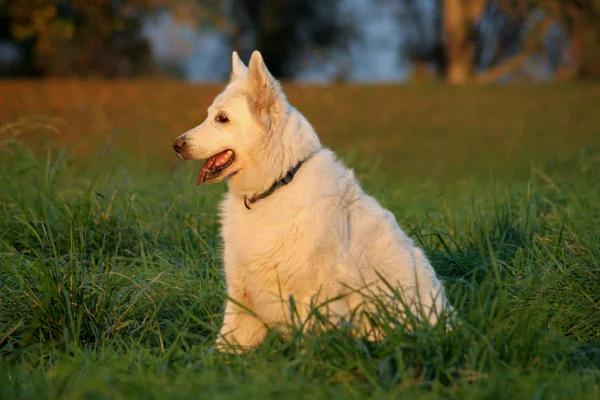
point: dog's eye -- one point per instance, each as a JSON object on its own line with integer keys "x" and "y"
{"x": 221, "y": 118}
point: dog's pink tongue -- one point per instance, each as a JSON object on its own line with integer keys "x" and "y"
{"x": 201, "y": 175}
{"x": 204, "y": 170}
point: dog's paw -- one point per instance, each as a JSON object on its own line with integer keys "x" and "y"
{"x": 222, "y": 346}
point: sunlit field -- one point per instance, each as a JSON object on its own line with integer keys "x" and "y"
{"x": 110, "y": 272}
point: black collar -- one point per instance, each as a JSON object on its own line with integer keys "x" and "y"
{"x": 280, "y": 183}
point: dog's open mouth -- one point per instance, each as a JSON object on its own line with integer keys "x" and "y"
{"x": 214, "y": 166}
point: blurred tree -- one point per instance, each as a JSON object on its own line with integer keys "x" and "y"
{"x": 459, "y": 37}
{"x": 286, "y": 30}
{"x": 464, "y": 40}
{"x": 582, "y": 18}
{"x": 104, "y": 37}
{"x": 484, "y": 40}
{"x": 539, "y": 24}
{"x": 77, "y": 37}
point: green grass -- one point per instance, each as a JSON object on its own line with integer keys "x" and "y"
{"x": 111, "y": 286}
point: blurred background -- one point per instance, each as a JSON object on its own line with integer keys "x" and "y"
{"x": 456, "y": 41}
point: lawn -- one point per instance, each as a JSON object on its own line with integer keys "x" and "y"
{"x": 110, "y": 277}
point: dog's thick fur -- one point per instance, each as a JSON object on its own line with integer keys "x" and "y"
{"x": 316, "y": 238}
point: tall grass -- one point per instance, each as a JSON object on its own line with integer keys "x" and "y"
{"x": 111, "y": 287}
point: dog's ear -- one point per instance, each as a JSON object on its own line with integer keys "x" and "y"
{"x": 264, "y": 92}
{"x": 238, "y": 68}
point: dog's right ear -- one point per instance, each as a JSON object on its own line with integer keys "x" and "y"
{"x": 238, "y": 68}
{"x": 264, "y": 91}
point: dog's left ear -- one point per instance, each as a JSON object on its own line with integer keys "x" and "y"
{"x": 264, "y": 91}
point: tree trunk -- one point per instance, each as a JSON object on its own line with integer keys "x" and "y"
{"x": 458, "y": 19}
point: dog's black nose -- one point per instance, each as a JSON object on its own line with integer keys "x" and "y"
{"x": 179, "y": 145}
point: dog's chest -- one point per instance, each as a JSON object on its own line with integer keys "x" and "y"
{"x": 274, "y": 255}
{"x": 275, "y": 247}
{"x": 265, "y": 239}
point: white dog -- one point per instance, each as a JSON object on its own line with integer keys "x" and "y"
{"x": 297, "y": 227}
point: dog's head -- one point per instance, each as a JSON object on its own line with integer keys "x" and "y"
{"x": 239, "y": 122}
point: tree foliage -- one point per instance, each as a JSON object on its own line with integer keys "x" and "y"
{"x": 104, "y": 37}
{"x": 285, "y": 30}
{"x": 483, "y": 40}
{"x": 77, "y": 37}
{"x": 464, "y": 40}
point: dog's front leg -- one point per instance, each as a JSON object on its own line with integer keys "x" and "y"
{"x": 241, "y": 330}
